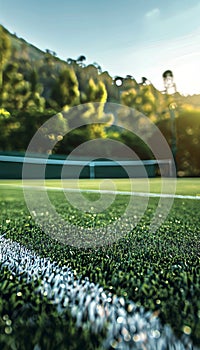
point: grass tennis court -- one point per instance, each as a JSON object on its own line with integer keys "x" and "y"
{"x": 186, "y": 186}
{"x": 157, "y": 270}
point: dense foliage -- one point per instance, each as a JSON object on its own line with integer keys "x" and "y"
{"x": 35, "y": 85}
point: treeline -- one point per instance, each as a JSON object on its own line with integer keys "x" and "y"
{"x": 35, "y": 85}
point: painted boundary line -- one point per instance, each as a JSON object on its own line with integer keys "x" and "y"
{"x": 129, "y": 326}
{"x": 125, "y": 193}
{"x": 139, "y": 194}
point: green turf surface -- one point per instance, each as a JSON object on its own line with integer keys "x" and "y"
{"x": 186, "y": 186}
{"x": 26, "y": 319}
{"x": 159, "y": 270}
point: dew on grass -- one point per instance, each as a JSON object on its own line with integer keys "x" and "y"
{"x": 120, "y": 319}
{"x": 8, "y": 330}
{"x": 155, "y": 333}
{"x": 5, "y": 317}
{"x": 114, "y": 344}
{"x": 136, "y": 338}
{"x": 8, "y": 323}
{"x": 187, "y": 330}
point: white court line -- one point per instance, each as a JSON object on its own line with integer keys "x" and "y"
{"x": 89, "y": 304}
{"x": 126, "y": 193}
{"x": 140, "y": 194}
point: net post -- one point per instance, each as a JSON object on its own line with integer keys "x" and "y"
{"x": 170, "y": 168}
{"x": 92, "y": 170}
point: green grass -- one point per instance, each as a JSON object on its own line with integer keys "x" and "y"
{"x": 186, "y": 186}
{"x": 26, "y": 319}
{"x": 160, "y": 270}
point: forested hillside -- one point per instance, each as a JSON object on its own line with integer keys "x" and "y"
{"x": 35, "y": 85}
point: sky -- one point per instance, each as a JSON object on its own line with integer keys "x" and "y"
{"x": 135, "y": 37}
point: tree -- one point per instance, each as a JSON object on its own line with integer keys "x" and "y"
{"x": 96, "y": 92}
{"x": 34, "y": 99}
{"x": 87, "y": 111}
{"x": 142, "y": 99}
{"x": 80, "y": 60}
{"x": 65, "y": 91}
{"x": 187, "y": 138}
{"x": 110, "y": 88}
{"x": 71, "y": 61}
{"x": 5, "y": 50}
{"x": 98, "y": 67}
{"x": 15, "y": 89}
